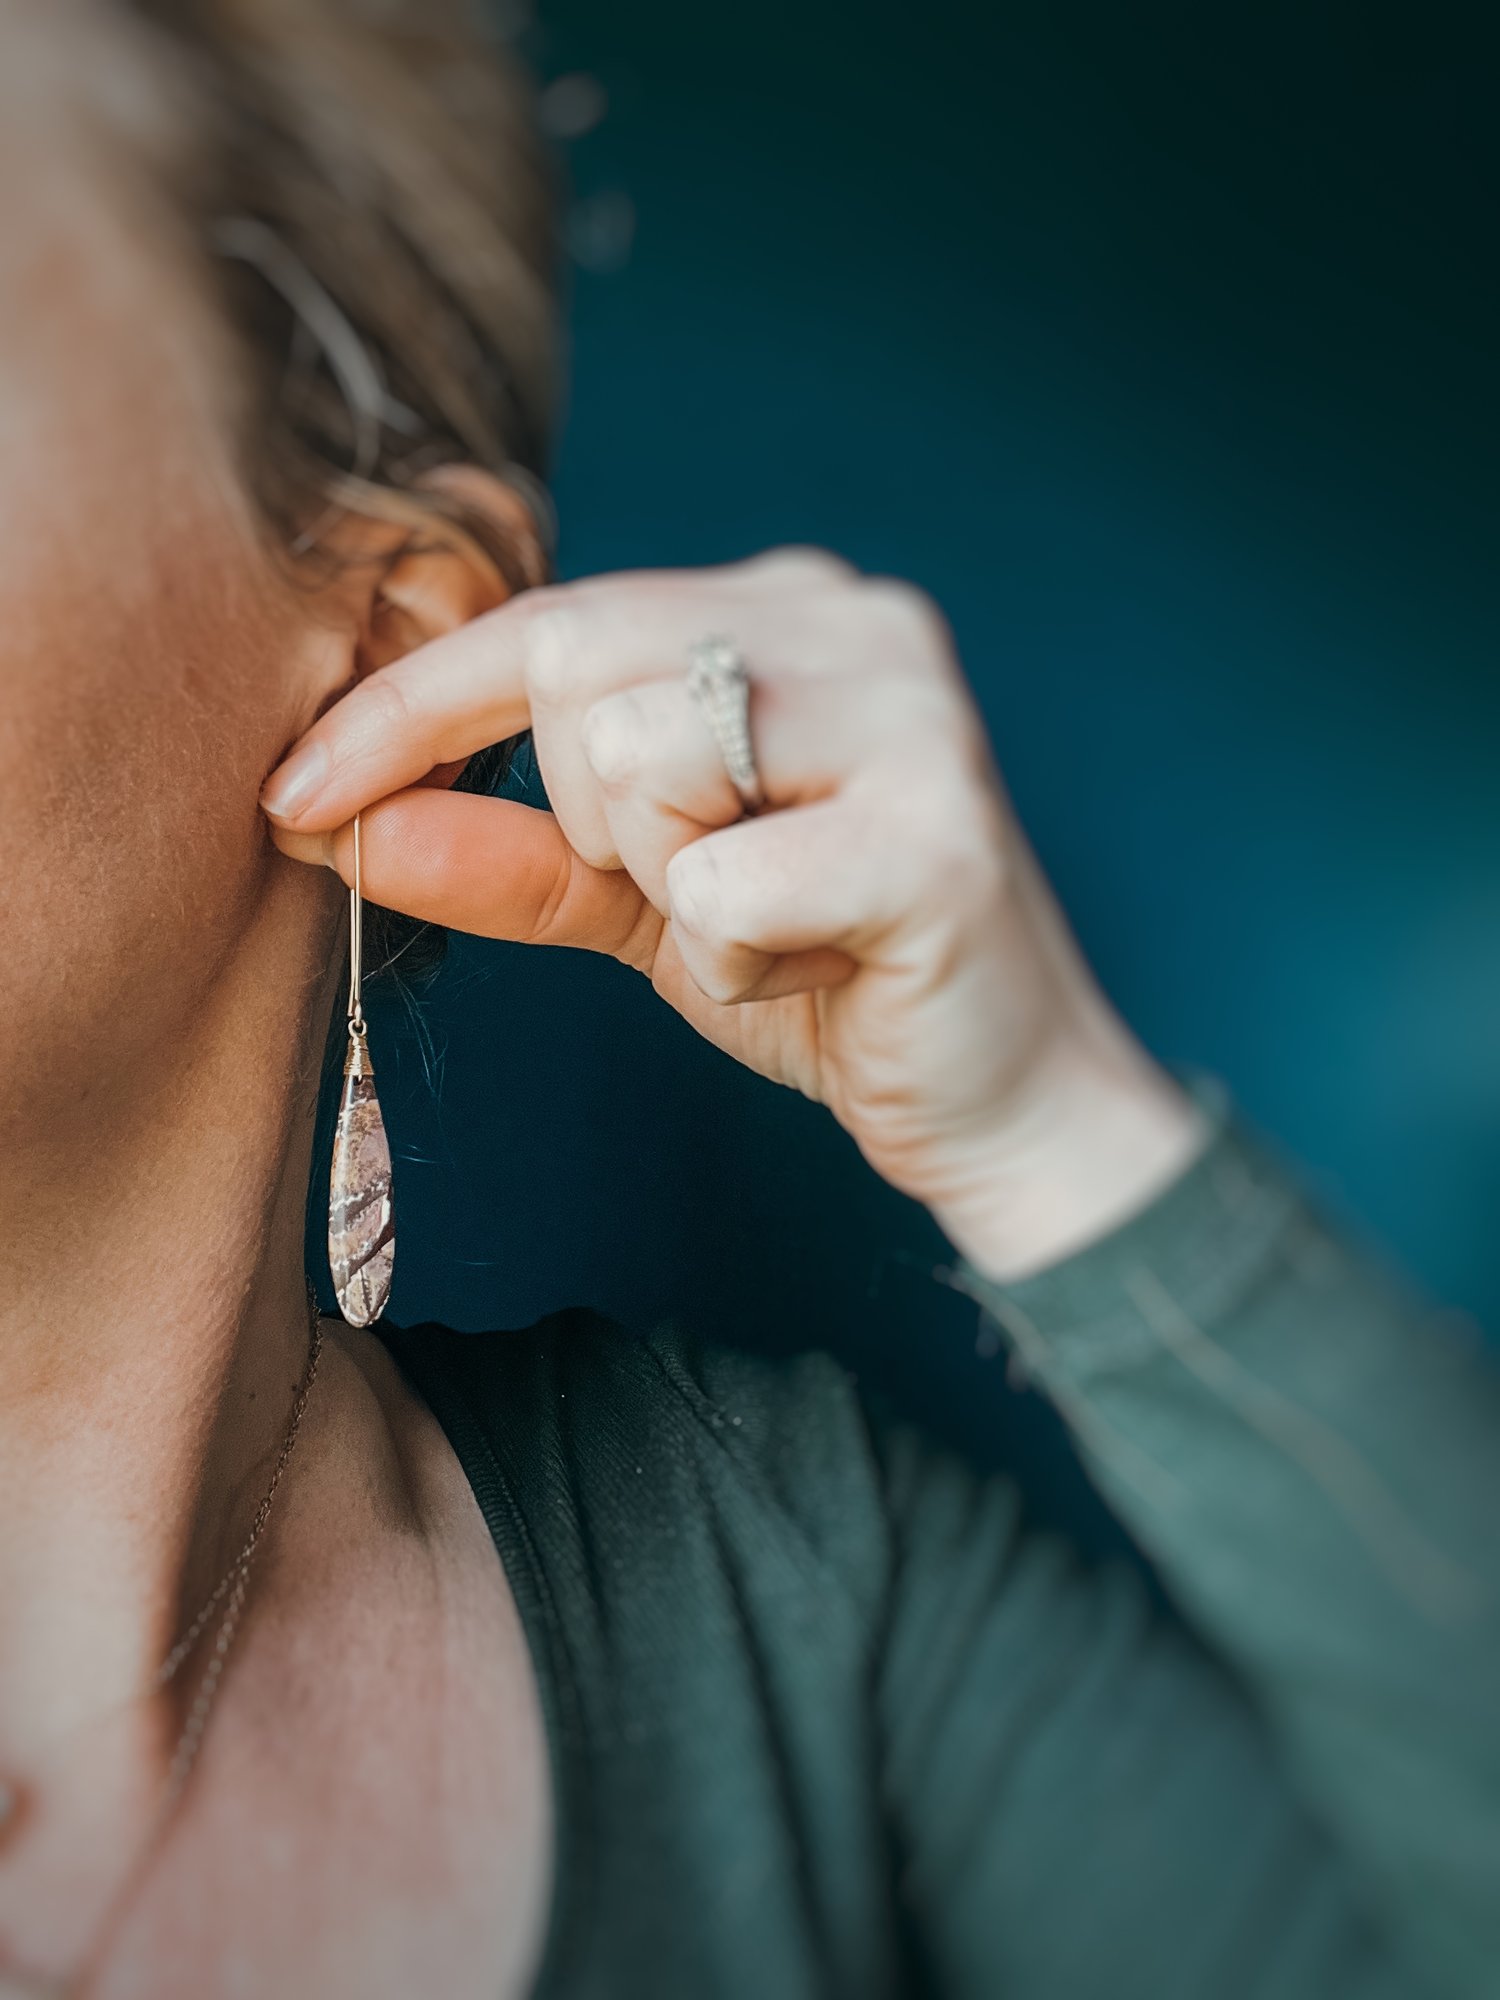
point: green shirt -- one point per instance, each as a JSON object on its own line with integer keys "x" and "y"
{"x": 828, "y": 1718}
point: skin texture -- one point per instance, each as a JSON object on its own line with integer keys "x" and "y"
{"x": 883, "y": 942}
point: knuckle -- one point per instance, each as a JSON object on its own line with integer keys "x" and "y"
{"x": 909, "y": 616}
{"x": 802, "y": 563}
{"x": 694, "y": 890}
{"x": 712, "y": 896}
{"x": 552, "y": 651}
{"x": 614, "y": 739}
{"x": 388, "y": 710}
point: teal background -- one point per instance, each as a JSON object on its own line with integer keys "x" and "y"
{"x": 1158, "y": 343}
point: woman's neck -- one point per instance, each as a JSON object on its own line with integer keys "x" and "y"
{"x": 153, "y": 1327}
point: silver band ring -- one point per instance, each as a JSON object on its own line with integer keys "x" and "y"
{"x": 719, "y": 681}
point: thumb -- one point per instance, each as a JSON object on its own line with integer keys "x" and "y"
{"x": 492, "y": 867}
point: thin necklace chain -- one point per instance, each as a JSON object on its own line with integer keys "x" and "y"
{"x": 233, "y": 1584}
{"x": 230, "y": 1593}
{"x": 167, "y": 1671}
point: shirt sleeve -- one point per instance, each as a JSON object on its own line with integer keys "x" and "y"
{"x": 1291, "y": 1789}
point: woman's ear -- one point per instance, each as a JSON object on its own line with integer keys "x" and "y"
{"x": 408, "y": 567}
{"x": 444, "y": 575}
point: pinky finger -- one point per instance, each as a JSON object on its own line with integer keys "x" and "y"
{"x": 774, "y": 905}
{"x": 730, "y": 973}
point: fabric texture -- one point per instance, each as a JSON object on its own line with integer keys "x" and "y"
{"x": 828, "y": 1718}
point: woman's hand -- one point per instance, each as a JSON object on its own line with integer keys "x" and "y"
{"x": 881, "y": 938}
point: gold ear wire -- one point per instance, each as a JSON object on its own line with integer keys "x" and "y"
{"x": 357, "y": 941}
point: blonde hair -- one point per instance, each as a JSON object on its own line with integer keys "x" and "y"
{"x": 389, "y": 149}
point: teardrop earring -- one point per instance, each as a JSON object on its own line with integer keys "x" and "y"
{"x": 361, "y": 1226}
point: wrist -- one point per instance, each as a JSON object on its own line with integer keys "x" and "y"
{"x": 1099, "y": 1130}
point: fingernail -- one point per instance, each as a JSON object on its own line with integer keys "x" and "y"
{"x": 292, "y": 788}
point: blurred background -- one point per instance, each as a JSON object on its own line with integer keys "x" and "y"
{"x": 1158, "y": 343}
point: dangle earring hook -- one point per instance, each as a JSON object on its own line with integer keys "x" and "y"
{"x": 361, "y": 1220}
{"x": 356, "y": 1009}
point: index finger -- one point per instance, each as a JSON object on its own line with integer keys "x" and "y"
{"x": 556, "y": 648}
{"x": 437, "y": 705}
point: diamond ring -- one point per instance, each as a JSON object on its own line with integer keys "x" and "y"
{"x": 719, "y": 682}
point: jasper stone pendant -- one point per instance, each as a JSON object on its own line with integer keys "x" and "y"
{"x": 361, "y": 1227}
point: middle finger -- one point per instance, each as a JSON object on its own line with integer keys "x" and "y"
{"x": 662, "y": 778}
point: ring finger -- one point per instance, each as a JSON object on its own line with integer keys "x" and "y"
{"x": 662, "y": 778}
